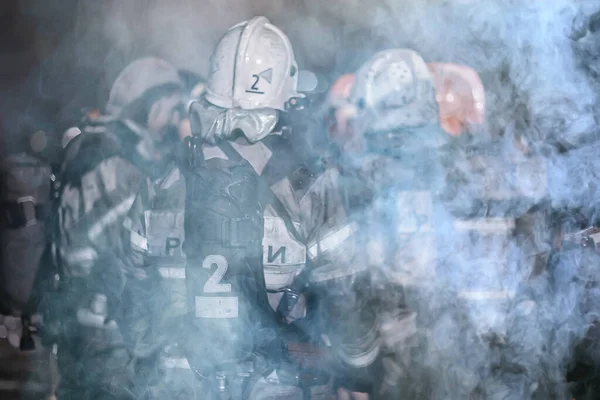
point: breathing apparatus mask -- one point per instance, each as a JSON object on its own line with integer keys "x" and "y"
{"x": 214, "y": 124}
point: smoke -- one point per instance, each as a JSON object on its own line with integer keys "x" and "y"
{"x": 519, "y": 341}
{"x": 540, "y": 90}
{"x": 516, "y": 340}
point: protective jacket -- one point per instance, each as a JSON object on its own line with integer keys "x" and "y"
{"x": 103, "y": 171}
{"x": 270, "y": 246}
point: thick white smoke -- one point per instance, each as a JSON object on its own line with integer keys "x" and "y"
{"x": 536, "y": 89}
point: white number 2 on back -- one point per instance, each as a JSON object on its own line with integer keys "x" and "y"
{"x": 213, "y": 284}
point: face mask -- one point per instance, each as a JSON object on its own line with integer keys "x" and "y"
{"x": 217, "y": 124}
{"x": 255, "y": 124}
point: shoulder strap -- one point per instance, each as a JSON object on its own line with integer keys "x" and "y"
{"x": 300, "y": 283}
{"x": 265, "y": 190}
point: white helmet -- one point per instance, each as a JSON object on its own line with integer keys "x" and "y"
{"x": 253, "y": 67}
{"x": 139, "y": 77}
{"x": 394, "y": 89}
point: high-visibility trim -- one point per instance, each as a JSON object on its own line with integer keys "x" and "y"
{"x": 110, "y": 217}
{"x": 332, "y": 240}
{"x": 216, "y": 307}
{"x": 485, "y": 295}
{"x": 486, "y": 225}
{"x": 257, "y": 155}
{"x": 82, "y": 258}
{"x": 138, "y": 240}
{"x": 175, "y": 363}
{"x": 330, "y": 271}
{"x": 172, "y": 272}
{"x": 80, "y": 255}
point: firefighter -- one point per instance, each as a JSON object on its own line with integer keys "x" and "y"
{"x": 103, "y": 174}
{"x": 386, "y": 127}
{"x": 453, "y": 255}
{"x": 270, "y": 278}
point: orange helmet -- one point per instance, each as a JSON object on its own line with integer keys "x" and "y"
{"x": 341, "y": 88}
{"x": 340, "y": 109}
{"x": 460, "y": 96}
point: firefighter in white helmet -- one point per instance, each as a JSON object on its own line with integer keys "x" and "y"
{"x": 403, "y": 159}
{"x": 266, "y": 234}
{"x": 385, "y": 122}
{"x": 112, "y": 178}
{"x": 253, "y": 79}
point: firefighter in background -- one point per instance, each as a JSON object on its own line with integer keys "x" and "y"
{"x": 156, "y": 238}
{"x": 103, "y": 174}
{"x": 461, "y": 100}
{"x": 267, "y": 236}
{"x": 157, "y": 235}
{"x": 459, "y": 94}
{"x": 501, "y": 231}
{"x": 460, "y": 97}
{"x": 386, "y": 125}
